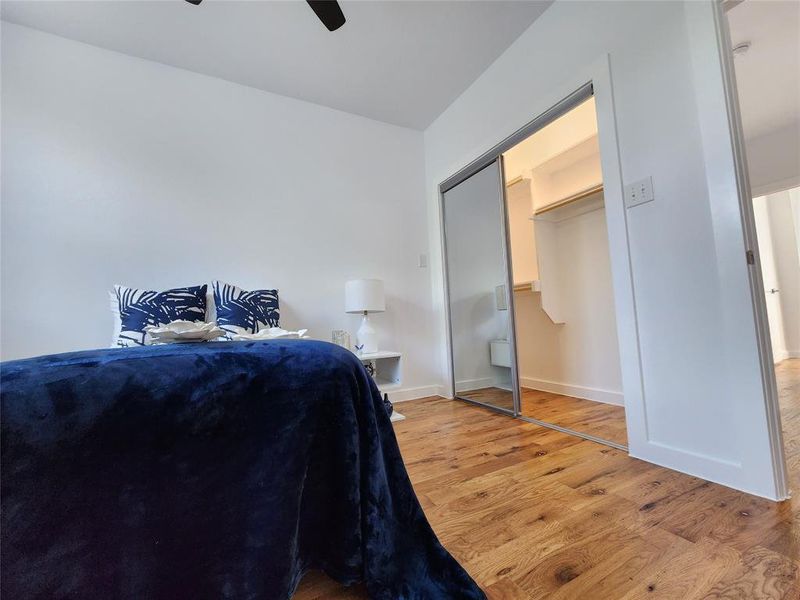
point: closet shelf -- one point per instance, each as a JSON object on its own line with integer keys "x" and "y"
{"x": 528, "y": 286}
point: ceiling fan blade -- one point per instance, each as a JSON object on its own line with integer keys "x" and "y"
{"x": 195, "y": 2}
{"x": 328, "y": 12}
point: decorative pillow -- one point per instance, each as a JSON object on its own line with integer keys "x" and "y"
{"x": 239, "y": 311}
{"x": 141, "y": 308}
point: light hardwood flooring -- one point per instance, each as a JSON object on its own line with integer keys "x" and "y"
{"x": 491, "y": 395}
{"x": 604, "y": 421}
{"x": 533, "y": 513}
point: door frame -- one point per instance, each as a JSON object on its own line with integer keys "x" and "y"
{"x": 595, "y": 81}
{"x": 485, "y": 160}
{"x": 755, "y": 277}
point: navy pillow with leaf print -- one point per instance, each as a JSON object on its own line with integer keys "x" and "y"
{"x": 240, "y": 311}
{"x": 140, "y": 308}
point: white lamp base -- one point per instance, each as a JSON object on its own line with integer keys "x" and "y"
{"x": 367, "y": 337}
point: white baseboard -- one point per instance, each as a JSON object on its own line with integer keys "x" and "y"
{"x": 405, "y": 394}
{"x": 780, "y": 356}
{"x": 576, "y": 391}
{"x": 466, "y": 385}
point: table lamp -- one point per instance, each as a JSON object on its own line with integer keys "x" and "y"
{"x": 365, "y": 296}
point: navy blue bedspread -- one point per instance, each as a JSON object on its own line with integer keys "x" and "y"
{"x": 208, "y": 471}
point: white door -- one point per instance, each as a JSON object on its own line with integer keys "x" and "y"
{"x": 769, "y": 273}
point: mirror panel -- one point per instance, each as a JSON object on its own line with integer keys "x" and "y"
{"x": 480, "y": 320}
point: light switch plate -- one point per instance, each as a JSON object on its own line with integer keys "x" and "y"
{"x": 639, "y": 192}
{"x": 423, "y": 261}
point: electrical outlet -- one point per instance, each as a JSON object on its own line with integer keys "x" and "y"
{"x": 639, "y": 192}
{"x": 423, "y": 261}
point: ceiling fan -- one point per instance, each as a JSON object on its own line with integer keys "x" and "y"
{"x": 328, "y": 11}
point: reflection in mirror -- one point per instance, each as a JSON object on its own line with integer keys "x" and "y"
{"x": 477, "y": 294}
{"x": 567, "y": 351}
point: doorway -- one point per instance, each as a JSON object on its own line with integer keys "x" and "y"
{"x": 567, "y": 350}
{"x": 761, "y": 39}
{"x": 777, "y": 217}
{"x": 777, "y": 221}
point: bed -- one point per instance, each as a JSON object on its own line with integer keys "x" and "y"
{"x": 217, "y": 470}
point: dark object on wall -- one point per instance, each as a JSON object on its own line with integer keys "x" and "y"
{"x": 328, "y": 11}
{"x": 207, "y": 471}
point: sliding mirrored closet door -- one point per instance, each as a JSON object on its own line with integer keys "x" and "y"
{"x": 479, "y": 303}
{"x": 530, "y": 297}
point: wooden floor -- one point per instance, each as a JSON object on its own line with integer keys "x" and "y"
{"x": 604, "y": 421}
{"x": 491, "y": 395}
{"x": 533, "y": 513}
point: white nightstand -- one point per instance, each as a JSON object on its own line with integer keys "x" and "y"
{"x": 387, "y": 371}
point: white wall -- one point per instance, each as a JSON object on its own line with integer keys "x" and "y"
{"x": 579, "y": 357}
{"x": 700, "y": 407}
{"x": 773, "y": 160}
{"x": 121, "y": 170}
{"x": 573, "y": 172}
{"x": 521, "y": 233}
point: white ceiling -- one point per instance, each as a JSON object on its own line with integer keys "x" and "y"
{"x": 399, "y": 62}
{"x": 768, "y": 75}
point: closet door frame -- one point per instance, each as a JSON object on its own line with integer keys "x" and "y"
{"x": 495, "y": 155}
{"x": 594, "y": 81}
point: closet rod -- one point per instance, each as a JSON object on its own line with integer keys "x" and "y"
{"x": 570, "y": 199}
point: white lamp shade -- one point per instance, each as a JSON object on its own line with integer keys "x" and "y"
{"x": 364, "y": 295}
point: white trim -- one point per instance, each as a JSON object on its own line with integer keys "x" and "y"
{"x": 466, "y": 385}
{"x": 621, "y": 264}
{"x": 793, "y": 354}
{"x": 703, "y": 467}
{"x": 780, "y": 356}
{"x": 406, "y": 394}
{"x": 576, "y": 391}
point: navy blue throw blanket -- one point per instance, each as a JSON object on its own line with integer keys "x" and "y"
{"x": 219, "y": 470}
